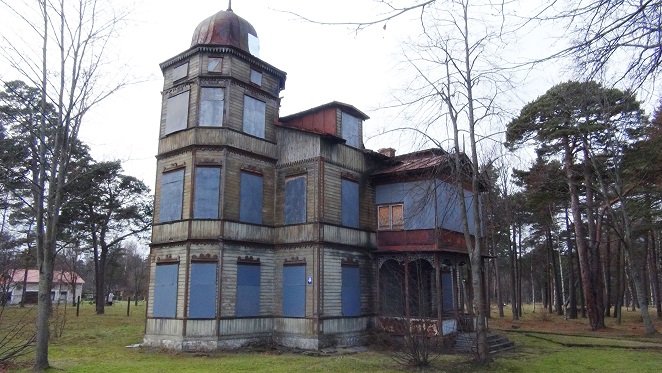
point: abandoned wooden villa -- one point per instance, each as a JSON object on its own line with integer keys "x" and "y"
{"x": 287, "y": 230}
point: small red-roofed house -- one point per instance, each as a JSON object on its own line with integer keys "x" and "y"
{"x": 62, "y": 286}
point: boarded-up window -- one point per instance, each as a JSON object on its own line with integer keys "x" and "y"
{"x": 295, "y": 200}
{"x": 294, "y": 290}
{"x": 447, "y": 291}
{"x": 350, "y": 130}
{"x": 165, "y": 290}
{"x": 256, "y": 77}
{"x": 350, "y": 203}
{"x": 250, "y": 198}
{"x": 351, "y": 291}
{"x": 176, "y": 113}
{"x": 254, "y": 116}
{"x": 180, "y": 72}
{"x": 172, "y": 189}
{"x": 202, "y": 291}
{"x": 390, "y": 217}
{"x": 211, "y": 107}
{"x": 214, "y": 64}
{"x": 207, "y": 192}
{"x": 248, "y": 289}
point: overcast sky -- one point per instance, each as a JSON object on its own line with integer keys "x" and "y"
{"x": 323, "y": 64}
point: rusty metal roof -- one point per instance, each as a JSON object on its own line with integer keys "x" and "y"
{"x": 224, "y": 28}
{"x": 416, "y": 161}
{"x": 334, "y": 104}
{"x": 58, "y": 276}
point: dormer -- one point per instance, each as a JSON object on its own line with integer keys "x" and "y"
{"x": 336, "y": 120}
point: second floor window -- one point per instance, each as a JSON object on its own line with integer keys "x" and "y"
{"x": 176, "y": 113}
{"x": 254, "y": 116}
{"x": 211, "y": 107}
{"x": 295, "y": 200}
{"x": 172, "y": 193}
{"x": 250, "y": 198}
{"x": 390, "y": 217}
{"x": 206, "y": 192}
{"x": 349, "y": 195}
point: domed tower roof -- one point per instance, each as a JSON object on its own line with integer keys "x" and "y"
{"x": 228, "y": 29}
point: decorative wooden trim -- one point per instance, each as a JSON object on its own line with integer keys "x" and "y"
{"x": 294, "y": 261}
{"x": 173, "y": 166}
{"x": 252, "y": 169}
{"x": 349, "y": 176}
{"x": 204, "y": 258}
{"x": 177, "y": 89}
{"x": 248, "y": 260}
{"x": 349, "y": 261}
{"x": 208, "y": 163}
{"x": 296, "y": 172}
{"x": 167, "y": 259}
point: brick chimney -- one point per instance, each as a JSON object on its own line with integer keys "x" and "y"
{"x": 389, "y": 152}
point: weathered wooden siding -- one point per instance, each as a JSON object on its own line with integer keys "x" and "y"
{"x": 346, "y": 325}
{"x": 169, "y": 327}
{"x": 241, "y": 69}
{"x": 222, "y": 136}
{"x": 294, "y": 326}
{"x": 349, "y": 236}
{"x": 200, "y": 328}
{"x": 300, "y": 233}
{"x": 235, "y": 108}
{"x": 247, "y": 326}
{"x": 296, "y": 146}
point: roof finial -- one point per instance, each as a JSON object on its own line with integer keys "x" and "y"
{"x": 229, "y": 5}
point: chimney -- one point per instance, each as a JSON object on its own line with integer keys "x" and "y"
{"x": 389, "y": 152}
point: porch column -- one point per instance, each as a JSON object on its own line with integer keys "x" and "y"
{"x": 456, "y": 286}
{"x": 437, "y": 278}
{"x": 378, "y": 307}
{"x": 406, "y": 264}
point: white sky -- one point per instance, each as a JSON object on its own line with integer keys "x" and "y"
{"x": 323, "y": 63}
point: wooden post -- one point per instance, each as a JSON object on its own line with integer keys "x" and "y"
{"x": 128, "y": 306}
{"x": 407, "y": 314}
{"x": 78, "y": 306}
{"x": 437, "y": 278}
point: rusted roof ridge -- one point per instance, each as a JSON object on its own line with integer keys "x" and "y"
{"x": 351, "y": 109}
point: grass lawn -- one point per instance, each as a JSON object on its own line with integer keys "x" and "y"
{"x": 92, "y": 343}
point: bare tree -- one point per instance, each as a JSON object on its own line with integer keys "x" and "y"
{"x": 73, "y": 36}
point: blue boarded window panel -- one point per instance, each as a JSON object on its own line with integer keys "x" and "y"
{"x": 248, "y": 290}
{"x": 351, "y": 291}
{"x": 202, "y": 291}
{"x": 172, "y": 192}
{"x": 250, "y": 199}
{"x": 165, "y": 290}
{"x": 207, "y": 192}
{"x": 447, "y": 291}
{"x": 294, "y": 290}
{"x": 295, "y": 200}
{"x": 254, "y": 116}
{"x": 350, "y": 130}
{"x": 350, "y": 203}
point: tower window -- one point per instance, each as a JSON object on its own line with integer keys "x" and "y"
{"x": 211, "y": 107}
{"x": 256, "y": 77}
{"x": 294, "y": 290}
{"x": 165, "y": 290}
{"x": 214, "y": 64}
{"x": 250, "y": 198}
{"x": 295, "y": 200}
{"x": 254, "y": 45}
{"x": 207, "y": 192}
{"x": 349, "y": 208}
{"x": 202, "y": 290}
{"x": 177, "y": 113}
{"x": 180, "y": 72}
{"x": 254, "y": 116}
{"x": 172, "y": 192}
{"x": 350, "y": 293}
{"x": 248, "y": 290}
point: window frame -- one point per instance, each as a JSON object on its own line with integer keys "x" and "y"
{"x": 193, "y": 292}
{"x": 180, "y": 191}
{"x": 391, "y": 226}
{"x": 222, "y": 104}
{"x": 172, "y": 313}
{"x": 196, "y": 194}
{"x": 290, "y": 220}
{"x": 220, "y": 64}
{"x": 244, "y": 308}
{"x": 176, "y": 70}
{"x": 172, "y": 125}
{"x": 350, "y": 296}
{"x": 250, "y": 127}
{"x": 344, "y": 215}
{"x": 244, "y": 215}
{"x": 353, "y": 140}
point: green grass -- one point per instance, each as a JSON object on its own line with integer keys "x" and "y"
{"x": 94, "y": 343}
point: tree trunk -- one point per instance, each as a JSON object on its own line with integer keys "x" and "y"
{"x": 558, "y": 300}
{"x": 655, "y": 273}
{"x": 572, "y": 286}
{"x": 606, "y": 269}
{"x": 513, "y": 278}
{"x": 99, "y": 276}
{"x": 620, "y": 288}
{"x": 590, "y": 279}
